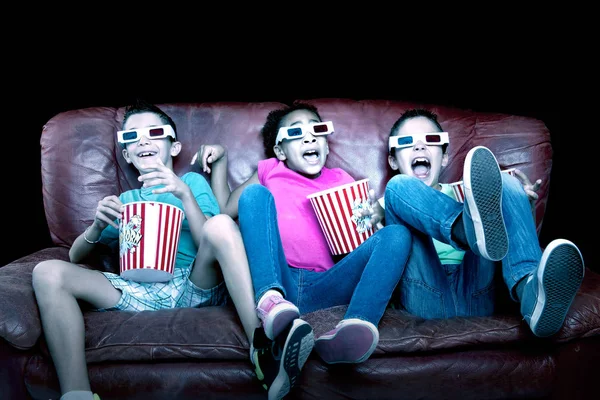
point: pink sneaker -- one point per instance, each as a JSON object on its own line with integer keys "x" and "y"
{"x": 352, "y": 341}
{"x": 276, "y": 313}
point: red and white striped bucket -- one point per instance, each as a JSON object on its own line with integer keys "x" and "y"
{"x": 337, "y": 209}
{"x": 148, "y": 239}
{"x": 459, "y": 189}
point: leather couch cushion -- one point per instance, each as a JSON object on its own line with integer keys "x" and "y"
{"x": 216, "y": 333}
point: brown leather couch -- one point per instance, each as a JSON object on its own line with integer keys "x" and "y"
{"x": 203, "y": 353}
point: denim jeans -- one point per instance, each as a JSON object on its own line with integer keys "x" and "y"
{"x": 364, "y": 279}
{"x": 432, "y": 290}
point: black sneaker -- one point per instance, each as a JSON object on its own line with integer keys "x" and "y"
{"x": 278, "y": 363}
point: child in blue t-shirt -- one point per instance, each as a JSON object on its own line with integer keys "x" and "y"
{"x": 210, "y": 265}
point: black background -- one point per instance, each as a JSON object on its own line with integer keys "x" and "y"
{"x": 523, "y": 78}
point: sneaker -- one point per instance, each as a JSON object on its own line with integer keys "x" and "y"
{"x": 549, "y": 291}
{"x": 276, "y": 313}
{"x": 351, "y": 341}
{"x": 278, "y": 363}
{"x": 483, "y": 203}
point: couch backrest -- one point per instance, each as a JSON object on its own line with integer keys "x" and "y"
{"x": 82, "y": 161}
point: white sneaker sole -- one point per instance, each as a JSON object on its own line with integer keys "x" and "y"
{"x": 341, "y": 346}
{"x": 298, "y": 346}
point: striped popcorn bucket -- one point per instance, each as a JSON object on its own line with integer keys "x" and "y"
{"x": 337, "y": 211}
{"x": 459, "y": 189}
{"x": 148, "y": 239}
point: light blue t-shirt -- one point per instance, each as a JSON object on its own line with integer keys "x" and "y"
{"x": 447, "y": 253}
{"x": 204, "y": 196}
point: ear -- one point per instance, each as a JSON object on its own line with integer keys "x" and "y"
{"x": 393, "y": 163}
{"x": 126, "y": 156}
{"x": 175, "y": 149}
{"x": 279, "y": 153}
{"x": 445, "y": 159}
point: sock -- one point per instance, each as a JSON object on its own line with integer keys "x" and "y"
{"x": 458, "y": 234}
{"x": 520, "y": 286}
{"x": 270, "y": 292}
{"x": 78, "y": 395}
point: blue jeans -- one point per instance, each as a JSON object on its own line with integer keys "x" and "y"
{"x": 432, "y": 290}
{"x": 364, "y": 279}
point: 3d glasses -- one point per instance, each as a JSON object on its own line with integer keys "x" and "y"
{"x": 151, "y": 132}
{"x": 434, "y": 138}
{"x": 299, "y": 131}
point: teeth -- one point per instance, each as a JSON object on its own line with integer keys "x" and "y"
{"x": 420, "y": 159}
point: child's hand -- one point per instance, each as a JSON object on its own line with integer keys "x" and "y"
{"x": 529, "y": 188}
{"x": 375, "y": 212}
{"x": 108, "y": 209}
{"x": 208, "y": 154}
{"x": 161, "y": 175}
{"x": 378, "y": 212}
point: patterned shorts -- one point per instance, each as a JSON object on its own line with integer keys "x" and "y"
{"x": 178, "y": 292}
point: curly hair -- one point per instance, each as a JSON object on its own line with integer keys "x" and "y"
{"x": 272, "y": 124}
{"x": 413, "y": 113}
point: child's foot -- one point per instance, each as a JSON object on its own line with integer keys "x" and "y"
{"x": 351, "y": 341}
{"x": 276, "y": 313}
{"x": 550, "y": 290}
{"x": 278, "y": 363}
{"x": 483, "y": 203}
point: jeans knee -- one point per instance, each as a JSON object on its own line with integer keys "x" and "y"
{"x": 251, "y": 193}
{"x": 399, "y": 183}
{"x": 396, "y": 237}
{"x": 399, "y": 180}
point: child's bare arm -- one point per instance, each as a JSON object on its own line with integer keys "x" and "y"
{"x": 231, "y": 207}
{"x": 109, "y": 209}
{"x": 213, "y": 159}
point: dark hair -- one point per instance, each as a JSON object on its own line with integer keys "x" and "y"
{"x": 413, "y": 113}
{"x": 141, "y": 106}
{"x": 272, "y": 124}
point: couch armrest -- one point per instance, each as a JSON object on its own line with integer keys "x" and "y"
{"x": 583, "y": 318}
{"x": 20, "y": 322}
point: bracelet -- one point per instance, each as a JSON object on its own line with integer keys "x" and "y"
{"x": 88, "y": 240}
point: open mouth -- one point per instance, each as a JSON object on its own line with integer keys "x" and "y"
{"x": 311, "y": 156}
{"x": 421, "y": 167}
{"x": 147, "y": 154}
